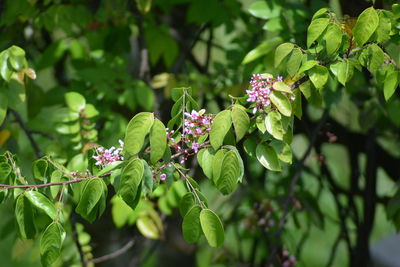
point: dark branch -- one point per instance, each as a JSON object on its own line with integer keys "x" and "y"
{"x": 115, "y": 253}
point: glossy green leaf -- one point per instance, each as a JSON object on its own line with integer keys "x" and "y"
{"x": 390, "y": 85}
{"x": 158, "y": 141}
{"x": 55, "y": 178}
{"x": 5, "y": 170}
{"x": 212, "y": 228}
{"x": 262, "y": 49}
{"x": 333, "y": 39}
{"x": 207, "y": 156}
{"x": 267, "y": 156}
{"x": 24, "y": 217}
{"x": 316, "y": 28}
{"x": 274, "y": 125}
{"x": 51, "y": 243}
{"x": 294, "y": 62}
{"x": 17, "y": 58}
{"x": 217, "y": 164}
{"x": 75, "y": 101}
{"x": 5, "y": 70}
{"x": 319, "y": 76}
{"x": 376, "y": 57}
{"x": 241, "y": 121}
{"x": 343, "y": 70}
{"x": 110, "y": 167}
{"x": 148, "y": 179}
{"x": 191, "y": 228}
{"x": 41, "y": 202}
{"x": 283, "y": 150}
{"x": 307, "y": 65}
{"x": 219, "y": 128}
{"x": 131, "y": 178}
{"x": 39, "y": 169}
{"x": 261, "y": 9}
{"x": 186, "y": 203}
{"x": 282, "y": 52}
{"x": 281, "y": 102}
{"x": 260, "y": 123}
{"x": 90, "y": 197}
{"x": 136, "y": 131}
{"x": 281, "y": 86}
{"x": 366, "y": 25}
{"x": 230, "y": 173}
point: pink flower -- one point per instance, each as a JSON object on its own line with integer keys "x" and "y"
{"x": 163, "y": 176}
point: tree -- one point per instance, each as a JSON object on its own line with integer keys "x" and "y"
{"x": 257, "y": 171}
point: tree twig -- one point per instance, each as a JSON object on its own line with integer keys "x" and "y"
{"x": 27, "y": 131}
{"x": 115, "y": 253}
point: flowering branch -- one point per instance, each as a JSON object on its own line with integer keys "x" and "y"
{"x": 76, "y": 180}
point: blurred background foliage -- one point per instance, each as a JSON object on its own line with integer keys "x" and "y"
{"x": 125, "y": 56}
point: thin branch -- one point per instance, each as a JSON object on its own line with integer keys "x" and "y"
{"x": 76, "y": 180}
{"x": 115, "y": 253}
{"x": 189, "y": 150}
{"x": 27, "y": 131}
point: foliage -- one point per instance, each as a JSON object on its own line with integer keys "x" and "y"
{"x": 88, "y": 82}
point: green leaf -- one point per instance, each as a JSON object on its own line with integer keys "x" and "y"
{"x": 90, "y": 111}
{"x": 148, "y": 180}
{"x": 281, "y": 86}
{"x": 376, "y": 57}
{"x": 191, "y": 228}
{"x": 212, "y": 228}
{"x": 283, "y": 150}
{"x": 39, "y": 169}
{"x": 296, "y": 104}
{"x": 260, "y": 123}
{"x": 316, "y": 28}
{"x": 320, "y": 13}
{"x": 282, "y": 51}
{"x": 5, "y": 170}
{"x": 267, "y": 156}
{"x": 319, "y": 76}
{"x": 219, "y": 128}
{"x": 262, "y": 10}
{"x": 308, "y": 65}
{"x": 261, "y": 50}
{"x": 230, "y": 173}
{"x": 294, "y": 62}
{"x": 17, "y": 58}
{"x": 281, "y": 102}
{"x": 50, "y": 243}
{"x": 186, "y": 203}
{"x": 90, "y": 197}
{"x": 131, "y": 178}
{"x": 241, "y": 121}
{"x": 3, "y": 105}
{"x": 110, "y": 167}
{"x": 366, "y": 25}
{"x": 5, "y": 70}
{"x": 382, "y": 32}
{"x": 274, "y": 125}
{"x": 55, "y": 178}
{"x": 158, "y": 141}
{"x": 41, "y": 202}
{"x": 333, "y": 39}
{"x": 391, "y": 83}
{"x": 149, "y": 224}
{"x": 205, "y": 159}
{"x": 136, "y": 131}
{"x": 24, "y": 217}
{"x": 75, "y": 101}
{"x": 343, "y": 70}
{"x": 217, "y": 164}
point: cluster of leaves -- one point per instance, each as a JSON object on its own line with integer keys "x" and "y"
{"x": 335, "y": 50}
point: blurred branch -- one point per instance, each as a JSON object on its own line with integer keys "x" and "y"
{"x": 76, "y": 239}
{"x": 27, "y": 131}
{"x": 292, "y": 186}
{"x": 115, "y": 253}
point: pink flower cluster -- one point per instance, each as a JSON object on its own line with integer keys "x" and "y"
{"x": 196, "y": 125}
{"x": 287, "y": 260}
{"x": 107, "y": 156}
{"x": 261, "y": 88}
